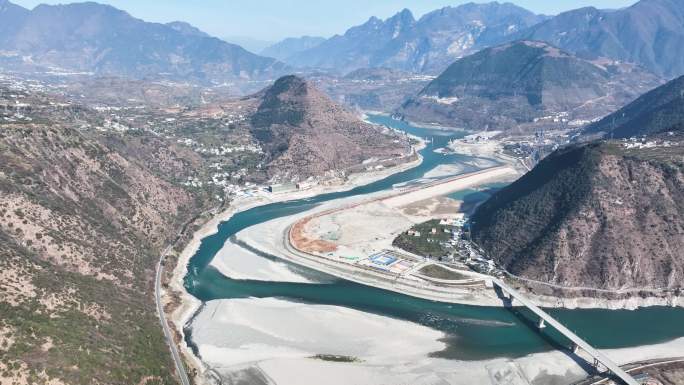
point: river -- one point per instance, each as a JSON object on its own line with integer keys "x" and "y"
{"x": 474, "y": 332}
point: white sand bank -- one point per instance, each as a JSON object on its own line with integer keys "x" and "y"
{"x": 277, "y": 339}
{"x": 466, "y": 181}
{"x": 235, "y": 262}
{"x": 189, "y": 304}
{"x": 239, "y": 331}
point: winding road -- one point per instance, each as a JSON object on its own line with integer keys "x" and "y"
{"x": 180, "y": 368}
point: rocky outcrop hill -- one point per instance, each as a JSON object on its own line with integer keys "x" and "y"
{"x": 522, "y": 82}
{"x": 606, "y": 215}
{"x": 304, "y": 133}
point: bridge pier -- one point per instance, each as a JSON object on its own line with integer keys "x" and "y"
{"x": 541, "y": 324}
{"x": 577, "y": 342}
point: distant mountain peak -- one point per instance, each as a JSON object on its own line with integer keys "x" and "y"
{"x": 428, "y": 44}
{"x": 405, "y": 14}
{"x": 187, "y": 29}
{"x": 291, "y": 46}
{"x": 649, "y": 33}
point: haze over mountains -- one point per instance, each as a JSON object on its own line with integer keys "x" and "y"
{"x": 98, "y": 38}
{"x": 289, "y": 47}
{"x": 425, "y": 45}
{"x": 90, "y": 37}
{"x": 649, "y": 33}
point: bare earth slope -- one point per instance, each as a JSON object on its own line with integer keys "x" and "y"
{"x": 597, "y": 215}
{"x": 81, "y": 228}
{"x": 305, "y": 133}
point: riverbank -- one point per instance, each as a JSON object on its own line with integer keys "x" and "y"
{"x": 385, "y": 210}
{"x": 473, "y": 332}
{"x": 287, "y": 345}
{"x": 369, "y": 225}
{"x": 188, "y": 304}
{"x": 427, "y": 126}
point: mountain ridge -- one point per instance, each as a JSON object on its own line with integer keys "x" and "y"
{"x": 105, "y": 40}
{"x": 428, "y": 44}
{"x": 600, "y": 214}
{"x": 520, "y": 82}
{"x": 657, "y": 111}
{"x": 649, "y": 32}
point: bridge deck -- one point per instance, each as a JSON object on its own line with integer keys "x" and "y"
{"x": 596, "y": 354}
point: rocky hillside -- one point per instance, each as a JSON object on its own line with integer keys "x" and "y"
{"x": 98, "y": 38}
{"x": 650, "y": 33}
{"x": 429, "y": 44}
{"x": 601, "y": 215}
{"x": 304, "y": 133}
{"x": 84, "y": 215}
{"x": 523, "y": 82}
{"x": 657, "y": 111}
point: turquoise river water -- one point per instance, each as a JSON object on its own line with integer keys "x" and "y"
{"x": 474, "y": 332}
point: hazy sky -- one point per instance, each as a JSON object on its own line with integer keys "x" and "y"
{"x": 275, "y": 19}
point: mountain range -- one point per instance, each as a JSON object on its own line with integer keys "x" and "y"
{"x": 649, "y": 33}
{"x": 525, "y": 82}
{"x": 92, "y": 37}
{"x": 428, "y": 44}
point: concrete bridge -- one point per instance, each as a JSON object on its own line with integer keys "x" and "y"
{"x": 545, "y": 318}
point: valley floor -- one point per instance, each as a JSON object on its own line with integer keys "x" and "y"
{"x": 238, "y": 343}
{"x": 273, "y": 341}
{"x": 183, "y": 311}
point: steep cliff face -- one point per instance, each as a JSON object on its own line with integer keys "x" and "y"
{"x": 305, "y": 133}
{"x": 599, "y": 215}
